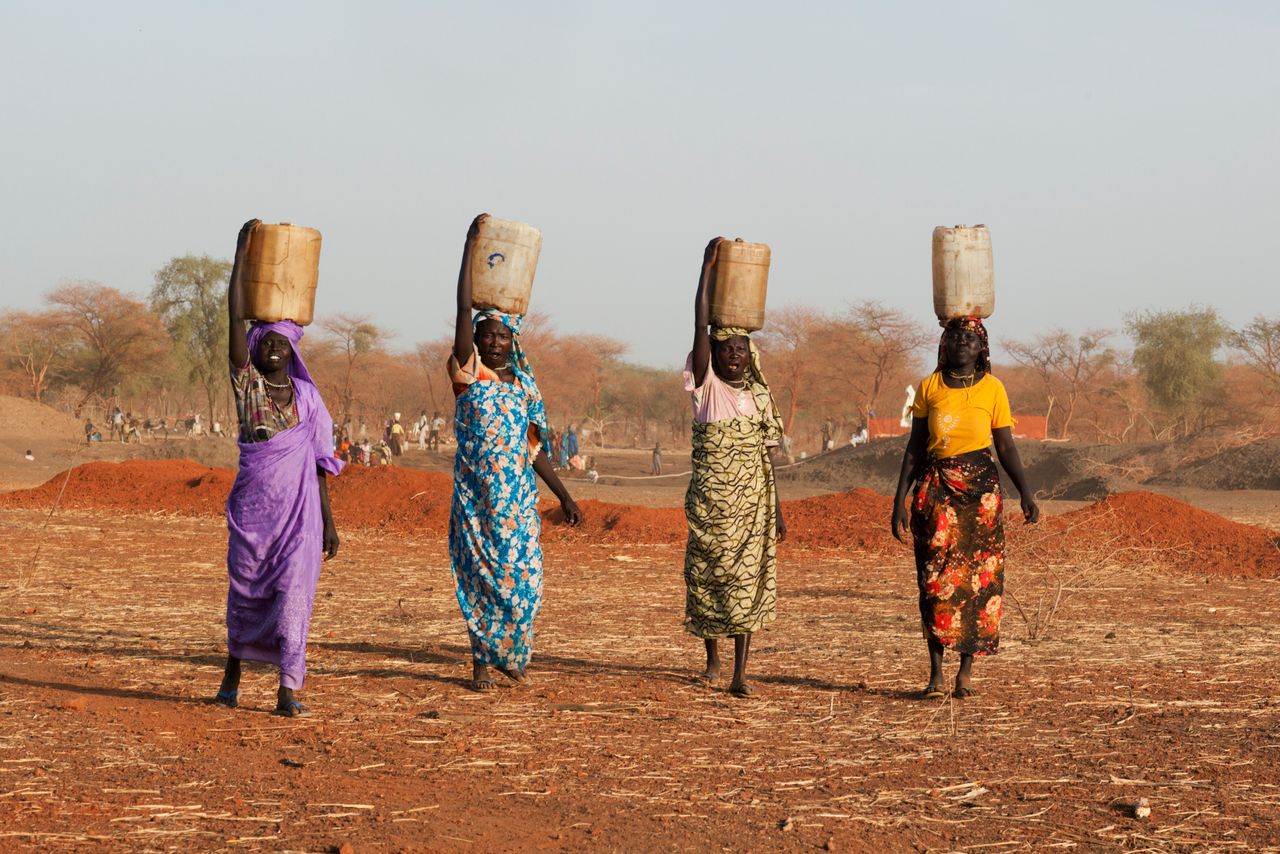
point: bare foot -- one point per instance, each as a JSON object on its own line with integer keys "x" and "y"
{"x": 741, "y": 688}
{"x": 480, "y": 678}
{"x": 708, "y": 676}
{"x": 517, "y": 676}
{"x": 962, "y": 686}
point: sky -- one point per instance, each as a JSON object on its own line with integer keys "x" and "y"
{"x": 1125, "y": 156}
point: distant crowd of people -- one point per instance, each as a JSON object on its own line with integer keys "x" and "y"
{"x": 127, "y": 427}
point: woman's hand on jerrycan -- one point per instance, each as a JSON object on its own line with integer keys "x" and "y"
{"x": 709, "y": 254}
{"x": 242, "y": 239}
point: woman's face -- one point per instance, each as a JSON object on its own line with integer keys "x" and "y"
{"x": 273, "y": 354}
{"x": 963, "y": 347}
{"x": 731, "y": 357}
{"x": 493, "y": 340}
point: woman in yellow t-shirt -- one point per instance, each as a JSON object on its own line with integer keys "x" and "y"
{"x": 955, "y": 520}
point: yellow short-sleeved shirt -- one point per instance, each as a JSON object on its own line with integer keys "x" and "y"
{"x": 961, "y": 419}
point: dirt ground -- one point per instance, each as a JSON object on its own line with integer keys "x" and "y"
{"x": 1142, "y": 685}
{"x": 1118, "y": 680}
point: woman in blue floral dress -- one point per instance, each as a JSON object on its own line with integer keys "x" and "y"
{"x": 501, "y": 425}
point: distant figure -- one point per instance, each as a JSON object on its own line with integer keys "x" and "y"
{"x": 859, "y": 437}
{"x": 905, "y": 421}
{"x": 397, "y": 435}
{"x": 564, "y": 449}
{"x": 656, "y": 467}
{"x": 423, "y": 428}
{"x": 437, "y": 425}
{"x": 828, "y": 430}
{"x": 89, "y": 430}
{"x": 571, "y": 443}
{"x": 217, "y": 428}
{"x": 117, "y": 423}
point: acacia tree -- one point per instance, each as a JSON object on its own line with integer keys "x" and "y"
{"x": 1065, "y": 364}
{"x": 596, "y": 359}
{"x": 33, "y": 347}
{"x": 788, "y": 343}
{"x": 431, "y": 357}
{"x": 1175, "y": 353}
{"x": 111, "y": 336}
{"x": 190, "y": 297}
{"x": 1259, "y": 343}
{"x": 887, "y": 344}
{"x": 354, "y": 337}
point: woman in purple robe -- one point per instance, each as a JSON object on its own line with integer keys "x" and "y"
{"x": 278, "y": 511}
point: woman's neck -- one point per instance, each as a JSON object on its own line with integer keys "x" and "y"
{"x": 277, "y": 377}
{"x": 740, "y": 382}
{"x": 960, "y": 377}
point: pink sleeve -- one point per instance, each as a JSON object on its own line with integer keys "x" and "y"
{"x": 690, "y": 384}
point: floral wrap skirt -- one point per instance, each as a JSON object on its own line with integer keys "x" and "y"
{"x": 958, "y": 535}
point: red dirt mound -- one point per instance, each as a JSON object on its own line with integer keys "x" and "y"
{"x": 1147, "y": 527}
{"x": 858, "y": 519}
{"x": 1137, "y": 527}
{"x": 391, "y": 498}
{"x": 615, "y": 523}
{"x": 134, "y": 486}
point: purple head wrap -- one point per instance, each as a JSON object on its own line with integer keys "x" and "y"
{"x": 292, "y": 331}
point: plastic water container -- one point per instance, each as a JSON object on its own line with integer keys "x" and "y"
{"x": 741, "y": 282}
{"x": 282, "y": 266}
{"x": 964, "y": 282}
{"x": 503, "y": 262}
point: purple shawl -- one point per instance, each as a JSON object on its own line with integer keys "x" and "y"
{"x": 276, "y": 528}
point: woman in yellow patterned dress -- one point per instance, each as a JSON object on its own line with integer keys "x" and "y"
{"x": 735, "y": 521}
{"x": 955, "y": 522}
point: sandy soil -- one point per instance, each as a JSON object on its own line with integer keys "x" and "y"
{"x": 1138, "y": 685}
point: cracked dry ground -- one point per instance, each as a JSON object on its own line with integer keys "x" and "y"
{"x": 1144, "y": 685}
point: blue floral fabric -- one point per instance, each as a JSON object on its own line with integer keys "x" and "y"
{"x": 494, "y": 527}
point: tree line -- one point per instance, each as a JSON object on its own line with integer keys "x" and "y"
{"x": 1161, "y": 375}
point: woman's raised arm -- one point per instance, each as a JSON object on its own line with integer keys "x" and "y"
{"x": 702, "y": 313}
{"x": 463, "y": 335}
{"x": 237, "y": 340}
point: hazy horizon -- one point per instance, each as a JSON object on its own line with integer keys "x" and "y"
{"x": 1122, "y": 156}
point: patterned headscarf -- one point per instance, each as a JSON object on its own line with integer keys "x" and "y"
{"x": 292, "y": 331}
{"x": 724, "y": 333}
{"x": 519, "y": 364}
{"x": 974, "y": 325}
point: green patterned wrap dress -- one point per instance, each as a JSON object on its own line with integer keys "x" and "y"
{"x": 730, "y": 563}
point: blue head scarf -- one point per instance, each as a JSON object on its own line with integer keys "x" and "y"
{"x": 520, "y": 365}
